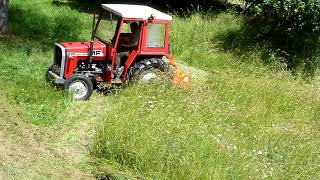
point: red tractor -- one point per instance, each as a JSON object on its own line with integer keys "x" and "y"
{"x": 109, "y": 57}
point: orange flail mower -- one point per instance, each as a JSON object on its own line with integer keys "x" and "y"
{"x": 179, "y": 77}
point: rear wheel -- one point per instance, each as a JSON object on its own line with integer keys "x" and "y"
{"x": 80, "y": 85}
{"x": 146, "y": 70}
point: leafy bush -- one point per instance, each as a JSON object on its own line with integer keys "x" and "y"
{"x": 288, "y": 15}
{"x": 292, "y": 27}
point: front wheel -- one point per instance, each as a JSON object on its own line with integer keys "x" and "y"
{"x": 80, "y": 85}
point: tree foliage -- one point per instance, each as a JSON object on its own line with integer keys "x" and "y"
{"x": 292, "y": 27}
{"x": 291, "y": 16}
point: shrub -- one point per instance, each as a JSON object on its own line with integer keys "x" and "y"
{"x": 292, "y": 27}
{"x": 293, "y": 17}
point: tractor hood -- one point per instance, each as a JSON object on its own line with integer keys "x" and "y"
{"x": 81, "y": 49}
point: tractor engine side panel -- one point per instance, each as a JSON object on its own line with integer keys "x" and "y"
{"x": 79, "y": 51}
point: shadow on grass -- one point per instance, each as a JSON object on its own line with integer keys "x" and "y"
{"x": 296, "y": 54}
{"x": 79, "y": 5}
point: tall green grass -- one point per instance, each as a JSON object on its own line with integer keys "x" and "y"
{"x": 27, "y": 52}
{"x": 42, "y": 21}
{"x": 197, "y": 40}
{"x": 246, "y": 120}
{"x": 193, "y": 39}
{"x": 219, "y": 40}
{"x": 233, "y": 126}
{"x": 22, "y": 71}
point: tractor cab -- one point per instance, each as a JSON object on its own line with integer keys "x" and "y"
{"x": 151, "y": 37}
{"x": 127, "y": 43}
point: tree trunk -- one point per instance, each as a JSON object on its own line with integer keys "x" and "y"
{"x": 4, "y": 15}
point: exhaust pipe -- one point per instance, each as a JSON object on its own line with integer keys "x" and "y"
{"x": 92, "y": 40}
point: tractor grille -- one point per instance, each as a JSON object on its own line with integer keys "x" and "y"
{"x": 59, "y": 59}
{"x": 57, "y": 56}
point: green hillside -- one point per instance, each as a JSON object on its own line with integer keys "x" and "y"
{"x": 242, "y": 116}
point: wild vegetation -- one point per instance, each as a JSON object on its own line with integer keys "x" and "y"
{"x": 293, "y": 28}
{"x": 245, "y": 115}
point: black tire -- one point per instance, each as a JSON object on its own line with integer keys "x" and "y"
{"x": 81, "y": 84}
{"x": 152, "y": 65}
{"x": 47, "y": 72}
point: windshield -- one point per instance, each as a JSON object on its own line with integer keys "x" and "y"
{"x": 106, "y": 28}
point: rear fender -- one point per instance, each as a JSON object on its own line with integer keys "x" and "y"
{"x": 130, "y": 60}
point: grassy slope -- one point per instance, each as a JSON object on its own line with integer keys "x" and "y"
{"x": 234, "y": 126}
{"x": 25, "y": 152}
{"x": 35, "y": 26}
{"x": 243, "y": 121}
